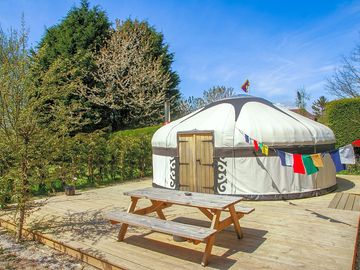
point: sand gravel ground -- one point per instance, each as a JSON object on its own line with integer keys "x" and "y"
{"x": 32, "y": 255}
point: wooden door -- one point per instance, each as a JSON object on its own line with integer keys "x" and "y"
{"x": 196, "y": 171}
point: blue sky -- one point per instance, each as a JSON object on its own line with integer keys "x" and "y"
{"x": 278, "y": 45}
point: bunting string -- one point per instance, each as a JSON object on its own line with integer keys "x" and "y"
{"x": 306, "y": 163}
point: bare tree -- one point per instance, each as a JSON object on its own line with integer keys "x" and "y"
{"x": 213, "y": 94}
{"x": 345, "y": 82}
{"x": 217, "y": 92}
{"x": 190, "y": 105}
{"x": 301, "y": 99}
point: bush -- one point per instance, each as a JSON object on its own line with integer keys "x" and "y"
{"x": 343, "y": 118}
{"x": 92, "y": 159}
{"x": 130, "y": 152}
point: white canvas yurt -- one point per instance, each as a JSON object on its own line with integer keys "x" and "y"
{"x": 206, "y": 151}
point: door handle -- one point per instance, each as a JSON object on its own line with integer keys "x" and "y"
{"x": 210, "y": 165}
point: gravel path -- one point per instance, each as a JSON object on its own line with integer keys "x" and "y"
{"x": 32, "y": 255}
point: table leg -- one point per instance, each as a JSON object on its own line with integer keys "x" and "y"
{"x": 124, "y": 226}
{"x": 211, "y": 239}
{"x": 159, "y": 211}
{"x": 235, "y": 220}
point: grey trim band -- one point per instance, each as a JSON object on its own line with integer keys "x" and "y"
{"x": 250, "y": 151}
{"x": 276, "y": 197}
{"x": 163, "y": 151}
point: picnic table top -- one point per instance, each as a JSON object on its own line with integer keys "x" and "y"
{"x": 209, "y": 201}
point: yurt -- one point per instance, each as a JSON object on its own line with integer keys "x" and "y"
{"x": 207, "y": 151}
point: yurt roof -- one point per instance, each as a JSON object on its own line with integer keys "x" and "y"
{"x": 229, "y": 119}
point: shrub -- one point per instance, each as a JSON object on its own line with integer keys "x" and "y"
{"x": 130, "y": 152}
{"x": 343, "y": 118}
{"x": 89, "y": 159}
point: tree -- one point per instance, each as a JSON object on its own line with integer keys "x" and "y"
{"x": 23, "y": 143}
{"x": 64, "y": 60}
{"x": 216, "y": 93}
{"x": 213, "y": 94}
{"x": 319, "y": 106}
{"x": 301, "y": 99}
{"x": 133, "y": 76}
{"x": 190, "y": 105}
{"x": 345, "y": 83}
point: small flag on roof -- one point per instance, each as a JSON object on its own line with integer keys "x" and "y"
{"x": 245, "y": 86}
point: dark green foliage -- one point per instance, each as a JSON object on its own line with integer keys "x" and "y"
{"x": 343, "y": 117}
{"x": 318, "y": 107}
{"x": 64, "y": 62}
{"x": 83, "y": 29}
{"x": 131, "y": 153}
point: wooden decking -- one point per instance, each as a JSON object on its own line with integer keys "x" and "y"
{"x": 297, "y": 234}
{"x": 346, "y": 201}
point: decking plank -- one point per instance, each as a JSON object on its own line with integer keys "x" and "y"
{"x": 350, "y": 202}
{"x": 342, "y": 201}
{"x": 335, "y": 201}
{"x": 356, "y": 205}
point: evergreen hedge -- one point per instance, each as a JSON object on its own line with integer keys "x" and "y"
{"x": 93, "y": 159}
{"x": 343, "y": 117}
{"x": 130, "y": 153}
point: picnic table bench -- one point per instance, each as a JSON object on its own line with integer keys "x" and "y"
{"x": 209, "y": 204}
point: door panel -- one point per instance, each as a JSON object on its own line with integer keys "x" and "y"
{"x": 196, "y": 153}
{"x": 204, "y": 157}
{"x": 186, "y": 159}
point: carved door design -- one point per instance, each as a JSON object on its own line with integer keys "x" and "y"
{"x": 196, "y": 159}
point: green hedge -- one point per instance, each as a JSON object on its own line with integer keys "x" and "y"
{"x": 98, "y": 158}
{"x": 130, "y": 153}
{"x": 343, "y": 117}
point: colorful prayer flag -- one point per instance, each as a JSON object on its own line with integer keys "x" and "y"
{"x": 317, "y": 160}
{"x": 289, "y": 160}
{"x": 347, "y": 155}
{"x": 298, "y": 164}
{"x": 245, "y": 86}
{"x": 309, "y": 165}
{"x": 261, "y": 146}
{"x": 281, "y": 155}
{"x": 265, "y": 150}
{"x": 247, "y": 139}
{"x": 256, "y": 145}
{"x": 335, "y": 156}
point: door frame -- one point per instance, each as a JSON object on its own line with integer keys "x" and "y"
{"x": 196, "y": 132}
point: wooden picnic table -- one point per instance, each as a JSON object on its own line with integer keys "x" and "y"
{"x": 212, "y": 206}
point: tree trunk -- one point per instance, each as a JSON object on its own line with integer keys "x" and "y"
{"x": 20, "y": 224}
{"x": 24, "y": 190}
